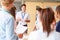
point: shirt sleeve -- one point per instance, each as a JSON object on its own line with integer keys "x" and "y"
{"x": 10, "y": 30}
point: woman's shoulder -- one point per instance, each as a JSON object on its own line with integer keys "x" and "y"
{"x": 52, "y": 35}
{"x": 36, "y": 35}
{"x": 39, "y": 35}
{"x": 36, "y": 32}
{"x": 33, "y": 35}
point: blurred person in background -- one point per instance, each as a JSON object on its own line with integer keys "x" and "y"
{"x": 38, "y": 23}
{"x": 58, "y": 16}
{"x": 13, "y": 12}
{"x": 58, "y": 23}
{"x": 22, "y": 17}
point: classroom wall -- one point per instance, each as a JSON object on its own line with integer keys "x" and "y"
{"x": 31, "y": 9}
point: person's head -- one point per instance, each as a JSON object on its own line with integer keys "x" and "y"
{"x": 7, "y": 4}
{"x": 12, "y": 11}
{"x": 58, "y": 11}
{"x": 23, "y": 7}
{"x": 38, "y": 9}
{"x": 47, "y": 20}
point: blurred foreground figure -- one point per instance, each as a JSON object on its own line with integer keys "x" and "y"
{"x": 46, "y": 32}
{"x": 6, "y": 21}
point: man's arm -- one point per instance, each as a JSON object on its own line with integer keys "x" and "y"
{"x": 28, "y": 19}
{"x": 18, "y": 19}
{"x": 10, "y": 30}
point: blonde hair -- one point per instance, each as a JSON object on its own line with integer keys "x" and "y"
{"x": 6, "y": 2}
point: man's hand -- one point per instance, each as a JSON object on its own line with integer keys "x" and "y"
{"x": 20, "y": 35}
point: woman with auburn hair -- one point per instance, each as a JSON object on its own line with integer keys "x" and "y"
{"x": 13, "y": 11}
{"x": 48, "y": 22}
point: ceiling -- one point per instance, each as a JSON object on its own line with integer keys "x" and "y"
{"x": 40, "y": 0}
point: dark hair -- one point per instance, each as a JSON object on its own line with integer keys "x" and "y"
{"x": 38, "y": 8}
{"x": 58, "y": 9}
{"x": 47, "y": 19}
{"x": 12, "y": 11}
{"x": 23, "y": 5}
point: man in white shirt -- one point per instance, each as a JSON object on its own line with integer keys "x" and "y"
{"x": 22, "y": 18}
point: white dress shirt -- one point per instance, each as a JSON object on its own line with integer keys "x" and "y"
{"x": 20, "y": 27}
{"x": 39, "y": 35}
{"x": 23, "y": 16}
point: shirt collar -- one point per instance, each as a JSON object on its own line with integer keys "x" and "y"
{"x": 23, "y": 12}
{"x": 5, "y": 10}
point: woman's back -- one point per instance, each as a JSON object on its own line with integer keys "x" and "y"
{"x": 39, "y": 35}
{"x": 48, "y": 32}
